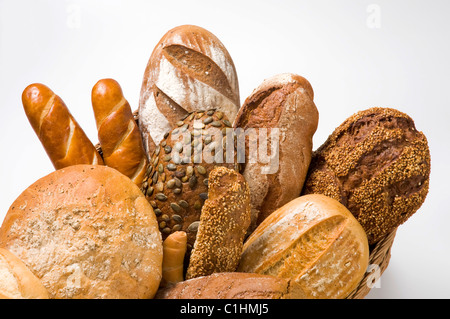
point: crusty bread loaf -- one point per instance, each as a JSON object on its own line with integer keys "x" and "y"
{"x": 283, "y": 102}
{"x": 86, "y": 231}
{"x": 313, "y": 240}
{"x": 118, "y": 133}
{"x": 377, "y": 165}
{"x": 224, "y": 221}
{"x": 62, "y": 137}
{"x": 17, "y": 281}
{"x": 176, "y": 183}
{"x": 189, "y": 70}
{"x": 233, "y": 285}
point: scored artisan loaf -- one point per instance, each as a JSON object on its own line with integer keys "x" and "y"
{"x": 233, "y": 285}
{"x": 285, "y": 103}
{"x": 86, "y": 231}
{"x": 313, "y": 240}
{"x": 188, "y": 70}
{"x": 377, "y": 165}
{"x": 224, "y": 221}
{"x": 17, "y": 281}
{"x": 176, "y": 181}
{"x": 118, "y": 133}
{"x": 62, "y": 137}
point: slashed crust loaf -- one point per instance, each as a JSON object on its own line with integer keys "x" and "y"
{"x": 313, "y": 240}
{"x": 376, "y": 164}
{"x": 87, "y": 232}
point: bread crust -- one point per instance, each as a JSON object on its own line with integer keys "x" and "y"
{"x": 86, "y": 231}
{"x": 313, "y": 240}
{"x": 224, "y": 221}
{"x": 283, "y": 102}
{"x": 233, "y": 285}
{"x": 189, "y": 70}
{"x": 17, "y": 281}
{"x": 62, "y": 137}
{"x": 118, "y": 132}
{"x": 376, "y": 164}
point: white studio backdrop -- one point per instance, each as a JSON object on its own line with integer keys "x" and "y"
{"x": 356, "y": 54}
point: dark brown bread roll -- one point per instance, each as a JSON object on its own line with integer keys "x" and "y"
{"x": 233, "y": 285}
{"x": 377, "y": 165}
{"x": 176, "y": 182}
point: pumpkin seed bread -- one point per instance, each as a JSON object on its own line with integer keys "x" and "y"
{"x": 176, "y": 182}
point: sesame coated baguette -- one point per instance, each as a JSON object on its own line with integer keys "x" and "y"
{"x": 189, "y": 70}
{"x": 118, "y": 133}
{"x": 62, "y": 137}
{"x": 223, "y": 224}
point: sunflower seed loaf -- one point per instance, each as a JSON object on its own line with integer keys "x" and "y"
{"x": 377, "y": 165}
{"x": 188, "y": 70}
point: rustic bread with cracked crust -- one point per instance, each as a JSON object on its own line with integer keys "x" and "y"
{"x": 377, "y": 164}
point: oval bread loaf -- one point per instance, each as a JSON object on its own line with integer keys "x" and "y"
{"x": 189, "y": 70}
{"x": 377, "y": 165}
{"x": 313, "y": 240}
{"x": 233, "y": 285}
{"x": 87, "y": 232}
{"x": 282, "y": 104}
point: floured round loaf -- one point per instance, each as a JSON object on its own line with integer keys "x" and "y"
{"x": 17, "y": 281}
{"x": 313, "y": 240}
{"x": 377, "y": 165}
{"x": 233, "y": 285}
{"x": 86, "y": 231}
{"x": 189, "y": 70}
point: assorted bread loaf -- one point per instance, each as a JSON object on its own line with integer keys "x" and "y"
{"x": 86, "y": 231}
{"x": 62, "y": 137}
{"x": 378, "y": 165}
{"x": 189, "y": 70}
{"x": 193, "y": 196}
{"x": 118, "y": 132}
{"x": 283, "y": 107}
{"x": 315, "y": 241}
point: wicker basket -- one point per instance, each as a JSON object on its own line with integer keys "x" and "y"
{"x": 380, "y": 254}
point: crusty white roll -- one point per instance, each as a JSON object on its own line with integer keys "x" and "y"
{"x": 87, "y": 232}
{"x": 313, "y": 240}
{"x": 188, "y": 70}
{"x": 17, "y": 281}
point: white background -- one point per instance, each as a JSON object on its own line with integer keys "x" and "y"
{"x": 356, "y": 54}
